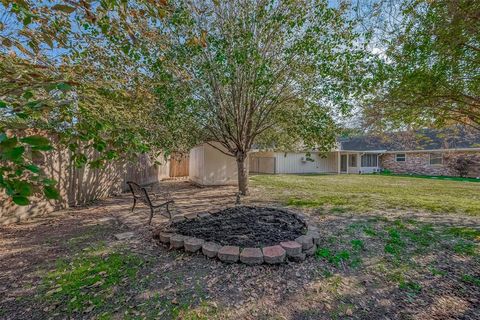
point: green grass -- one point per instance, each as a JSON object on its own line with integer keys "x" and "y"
{"x": 465, "y": 232}
{"x": 88, "y": 281}
{"x": 430, "y": 177}
{"x": 410, "y": 287}
{"x": 465, "y": 248}
{"x": 405, "y": 243}
{"x": 101, "y": 282}
{"x": 468, "y": 278}
{"x": 364, "y": 193}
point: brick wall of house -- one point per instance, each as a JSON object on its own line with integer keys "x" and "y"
{"x": 419, "y": 163}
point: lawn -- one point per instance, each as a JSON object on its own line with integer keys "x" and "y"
{"x": 368, "y": 264}
{"x": 366, "y": 193}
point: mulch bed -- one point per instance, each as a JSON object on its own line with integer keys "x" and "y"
{"x": 244, "y": 226}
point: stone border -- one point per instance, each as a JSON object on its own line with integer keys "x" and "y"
{"x": 293, "y": 250}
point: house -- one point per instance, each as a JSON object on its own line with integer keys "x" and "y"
{"x": 423, "y": 152}
{"x": 426, "y": 152}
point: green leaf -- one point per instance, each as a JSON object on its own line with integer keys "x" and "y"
{"x": 33, "y": 168}
{"x": 34, "y": 104}
{"x": 28, "y": 94}
{"x": 64, "y": 8}
{"x": 36, "y": 141}
{"x": 21, "y": 200}
{"x": 13, "y": 154}
{"x": 27, "y": 20}
{"x": 49, "y": 182}
{"x": 51, "y": 192}
{"x": 64, "y": 86}
{"x": 96, "y": 164}
{"x": 8, "y": 143}
{"x": 3, "y": 104}
{"x": 100, "y": 145}
{"x": 23, "y": 188}
{"x": 42, "y": 148}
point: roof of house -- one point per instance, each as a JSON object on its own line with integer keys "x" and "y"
{"x": 457, "y": 137}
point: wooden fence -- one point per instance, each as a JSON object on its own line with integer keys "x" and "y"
{"x": 179, "y": 165}
{"x": 79, "y": 186}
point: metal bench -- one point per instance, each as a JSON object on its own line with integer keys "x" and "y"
{"x": 141, "y": 194}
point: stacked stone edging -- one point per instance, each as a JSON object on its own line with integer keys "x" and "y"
{"x": 292, "y": 250}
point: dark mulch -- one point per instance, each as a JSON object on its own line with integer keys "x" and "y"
{"x": 244, "y": 226}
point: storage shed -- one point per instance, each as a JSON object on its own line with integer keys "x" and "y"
{"x": 210, "y": 167}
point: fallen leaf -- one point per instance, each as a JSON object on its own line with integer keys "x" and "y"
{"x": 349, "y": 312}
{"x": 89, "y": 309}
{"x": 97, "y": 284}
{"x": 49, "y": 293}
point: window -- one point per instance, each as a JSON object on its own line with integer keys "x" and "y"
{"x": 369, "y": 160}
{"x": 352, "y": 160}
{"x": 436, "y": 159}
{"x": 400, "y": 157}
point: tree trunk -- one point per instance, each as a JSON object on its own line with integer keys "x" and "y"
{"x": 242, "y": 173}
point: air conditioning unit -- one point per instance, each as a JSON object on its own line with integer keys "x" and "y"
{"x": 303, "y": 159}
{"x": 369, "y": 170}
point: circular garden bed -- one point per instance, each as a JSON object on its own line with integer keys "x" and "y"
{"x": 252, "y": 235}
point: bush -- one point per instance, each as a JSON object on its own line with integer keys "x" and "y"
{"x": 462, "y": 165}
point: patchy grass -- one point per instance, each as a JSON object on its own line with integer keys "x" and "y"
{"x": 376, "y": 265}
{"x": 465, "y": 232}
{"x": 364, "y": 193}
{"x": 112, "y": 282}
{"x": 468, "y": 278}
{"x": 90, "y": 280}
{"x": 403, "y": 253}
{"x": 465, "y": 248}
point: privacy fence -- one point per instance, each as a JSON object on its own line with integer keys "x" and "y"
{"x": 79, "y": 186}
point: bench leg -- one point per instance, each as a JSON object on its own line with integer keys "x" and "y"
{"x": 134, "y": 203}
{"x": 168, "y": 210}
{"x": 151, "y": 216}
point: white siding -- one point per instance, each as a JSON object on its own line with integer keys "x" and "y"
{"x": 196, "y": 166}
{"x": 208, "y": 166}
{"x": 291, "y": 162}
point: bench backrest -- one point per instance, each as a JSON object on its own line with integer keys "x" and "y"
{"x": 139, "y": 193}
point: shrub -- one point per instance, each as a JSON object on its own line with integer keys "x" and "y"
{"x": 462, "y": 165}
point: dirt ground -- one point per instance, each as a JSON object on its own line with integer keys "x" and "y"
{"x": 393, "y": 265}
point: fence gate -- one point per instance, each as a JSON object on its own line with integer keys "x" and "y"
{"x": 262, "y": 165}
{"x": 179, "y": 165}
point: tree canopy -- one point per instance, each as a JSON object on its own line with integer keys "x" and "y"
{"x": 74, "y": 74}
{"x": 267, "y": 73}
{"x": 430, "y": 73}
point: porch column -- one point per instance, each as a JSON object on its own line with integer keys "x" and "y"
{"x": 348, "y": 160}
{"x": 338, "y": 162}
